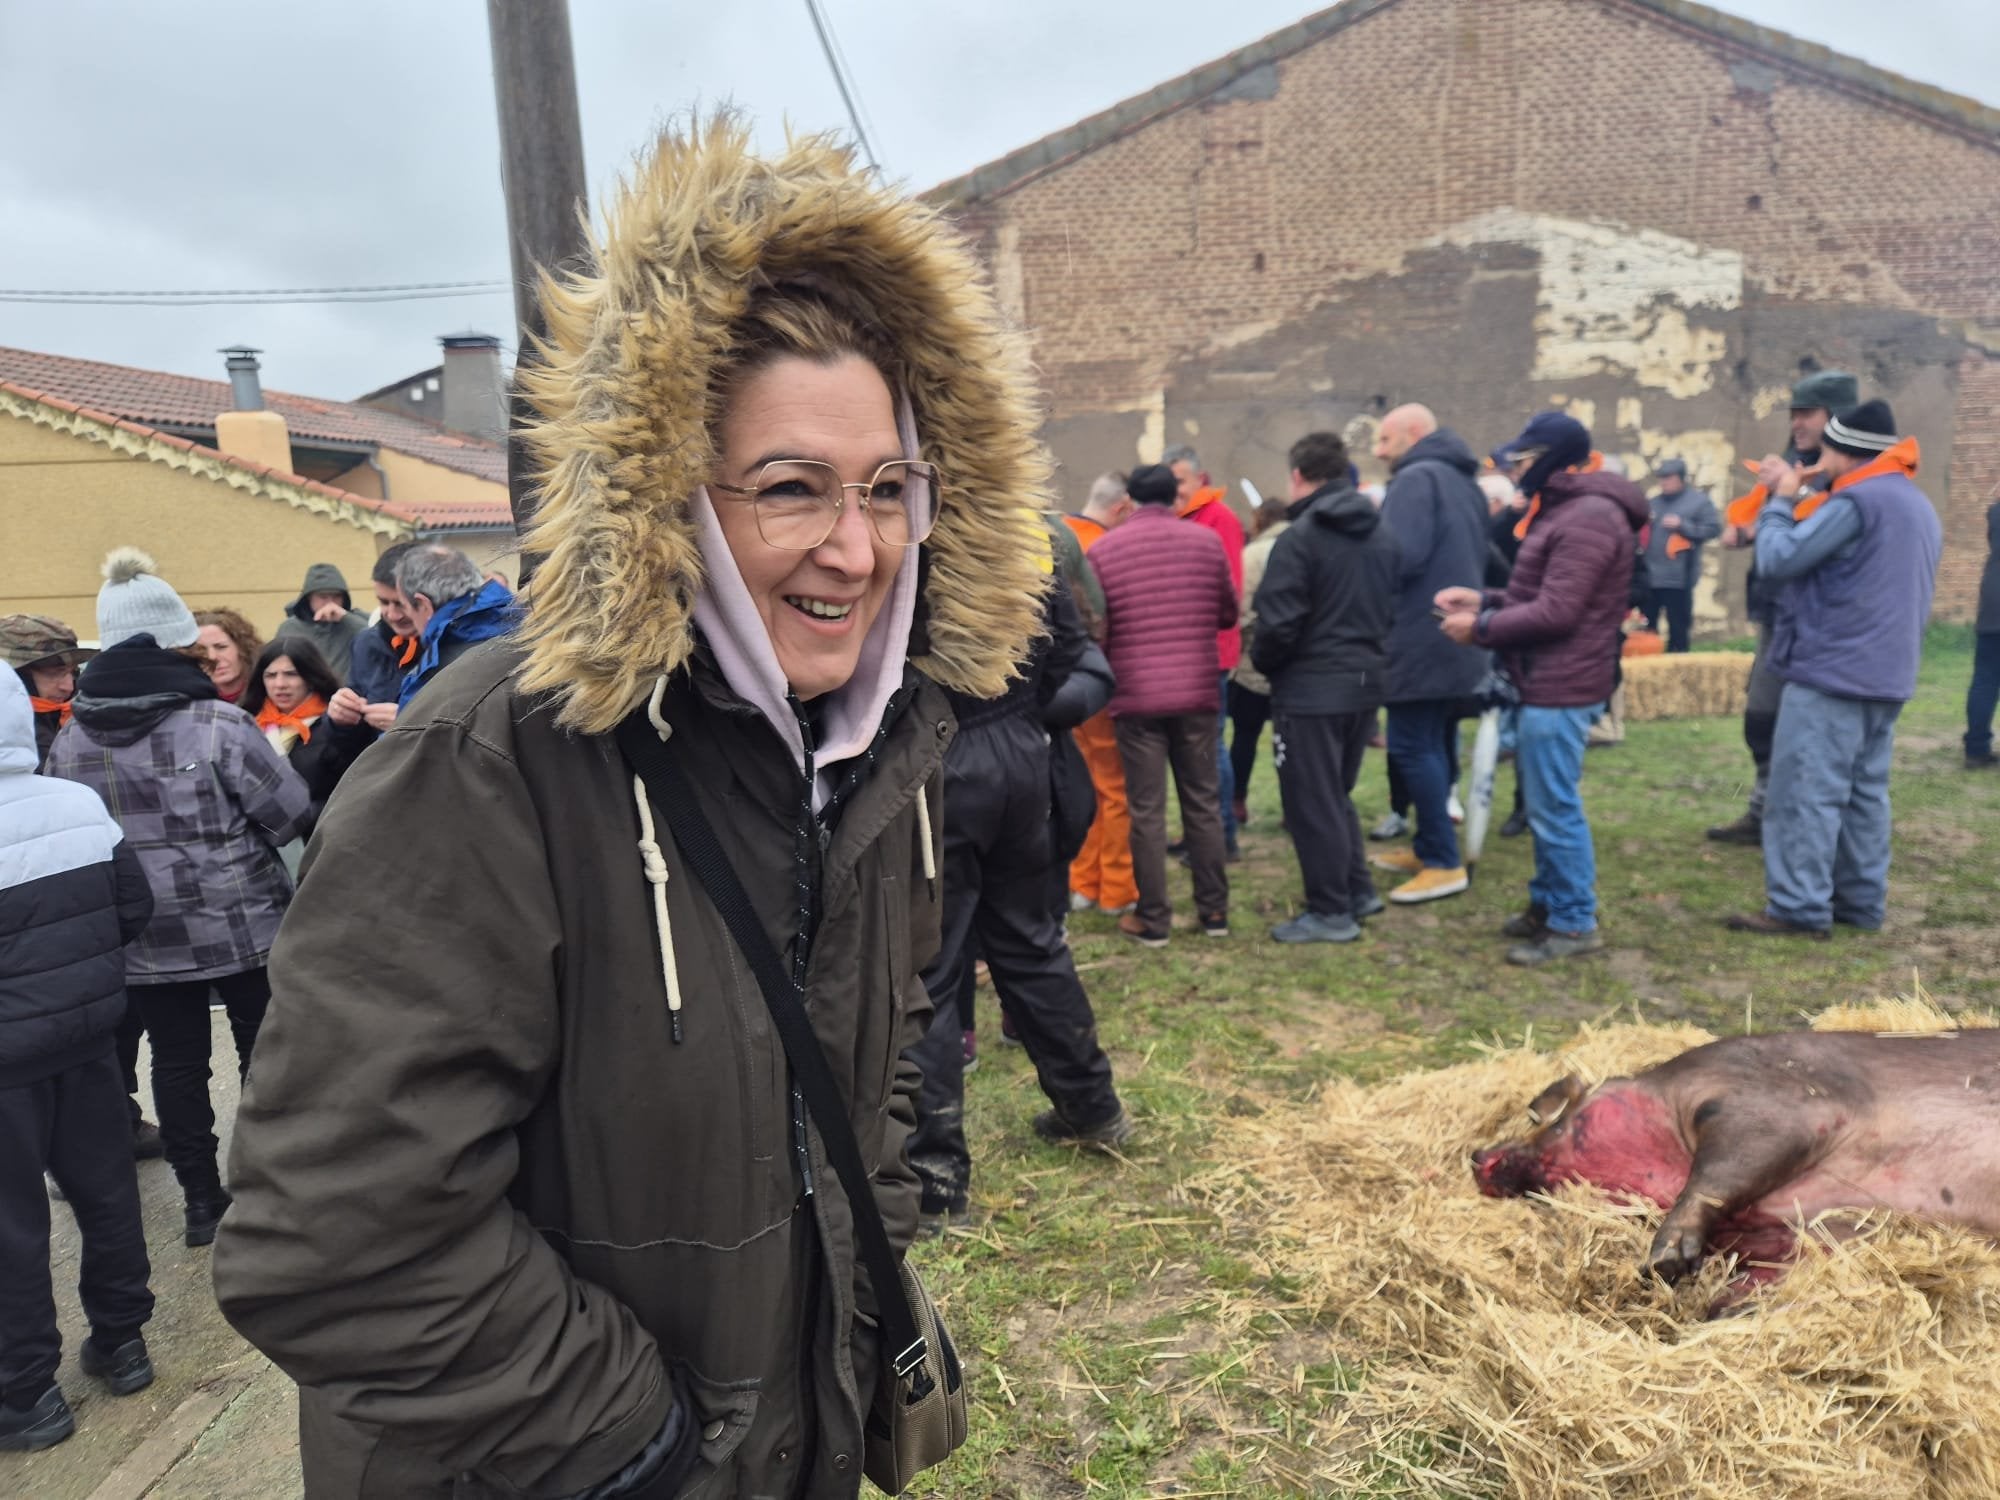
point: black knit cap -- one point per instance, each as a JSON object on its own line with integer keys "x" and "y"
{"x": 1863, "y": 431}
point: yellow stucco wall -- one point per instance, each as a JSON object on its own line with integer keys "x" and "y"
{"x": 412, "y": 481}
{"x": 65, "y": 501}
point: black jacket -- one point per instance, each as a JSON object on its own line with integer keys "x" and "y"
{"x": 72, "y": 895}
{"x": 1326, "y": 605}
{"x": 376, "y": 671}
{"x": 1437, "y": 513}
{"x": 1988, "y": 620}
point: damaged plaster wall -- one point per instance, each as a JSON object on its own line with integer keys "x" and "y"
{"x": 1611, "y": 299}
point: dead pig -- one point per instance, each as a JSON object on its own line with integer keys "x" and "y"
{"x": 1743, "y": 1140}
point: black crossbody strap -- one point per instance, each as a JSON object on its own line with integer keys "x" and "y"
{"x": 676, "y": 797}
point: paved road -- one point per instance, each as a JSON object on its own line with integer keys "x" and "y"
{"x": 220, "y": 1423}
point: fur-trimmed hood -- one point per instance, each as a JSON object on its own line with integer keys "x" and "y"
{"x": 620, "y": 389}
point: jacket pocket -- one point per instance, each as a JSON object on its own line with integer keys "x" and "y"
{"x": 723, "y": 1414}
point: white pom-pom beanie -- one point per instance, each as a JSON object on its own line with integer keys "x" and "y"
{"x": 135, "y": 600}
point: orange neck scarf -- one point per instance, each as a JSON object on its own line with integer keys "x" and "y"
{"x": 44, "y": 706}
{"x": 299, "y": 720}
{"x": 1201, "y": 497}
{"x": 1901, "y": 459}
{"x": 408, "y": 645}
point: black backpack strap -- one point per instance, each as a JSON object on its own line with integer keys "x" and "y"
{"x": 675, "y": 796}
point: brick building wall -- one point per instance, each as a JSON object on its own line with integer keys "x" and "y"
{"x": 1635, "y": 209}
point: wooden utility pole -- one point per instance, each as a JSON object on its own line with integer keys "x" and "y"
{"x": 541, "y": 169}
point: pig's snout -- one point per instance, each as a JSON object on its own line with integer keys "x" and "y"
{"x": 1503, "y": 1171}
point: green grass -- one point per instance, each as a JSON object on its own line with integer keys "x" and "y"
{"x": 1122, "y": 1340}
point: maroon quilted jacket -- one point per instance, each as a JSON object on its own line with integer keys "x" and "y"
{"x": 1167, "y": 591}
{"x": 1557, "y": 622}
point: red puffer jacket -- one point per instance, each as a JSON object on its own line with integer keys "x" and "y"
{"x": 1210, "y": 509}
{"x": 1167, "y": 590}
{"x": 1556, "y": 623}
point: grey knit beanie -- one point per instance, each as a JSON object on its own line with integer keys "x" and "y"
{"x": 135, "y": 600}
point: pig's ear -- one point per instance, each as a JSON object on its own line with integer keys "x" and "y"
{"x": 1554, "y": 1101}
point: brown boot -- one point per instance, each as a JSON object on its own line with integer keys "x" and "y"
{"x": 1748, "y": 829}
{"x": 1766, "y": 925}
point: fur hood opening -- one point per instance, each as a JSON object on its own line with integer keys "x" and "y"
{"x": 619, "y": 390}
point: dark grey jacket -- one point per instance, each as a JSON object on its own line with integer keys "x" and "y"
{"x": 1699, "y": 523}
{"x": 204, "y": 801}
{"x": 1437, "y": 514}
{"x": 335, "y": 638}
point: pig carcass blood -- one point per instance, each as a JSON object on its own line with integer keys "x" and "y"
{"x": 1742, "y": 1141}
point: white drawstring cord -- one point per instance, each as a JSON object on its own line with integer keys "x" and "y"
{"x": 656, "y": 868}
{"x": 924, "y": 837}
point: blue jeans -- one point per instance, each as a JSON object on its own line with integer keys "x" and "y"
{"x": 1417, "y": 744}
{"x": 1548, "y": 758}
{"x": 1826, "y": 819}
{"x": 1982, "y": 695}
{"x": 1225, "y": 768}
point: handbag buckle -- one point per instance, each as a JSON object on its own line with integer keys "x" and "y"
{"x": 911, "y": 1357}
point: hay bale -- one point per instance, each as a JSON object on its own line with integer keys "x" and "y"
{"x": 1519, "y": 1342}
{"x": 1686, "y": 686}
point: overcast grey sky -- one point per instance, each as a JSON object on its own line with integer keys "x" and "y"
{"x": 241, "y": 143}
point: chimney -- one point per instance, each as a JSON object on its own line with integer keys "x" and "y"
{"x": 248, "y": 431}
{"x": 475, "y": 391}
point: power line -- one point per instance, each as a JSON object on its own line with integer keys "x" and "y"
{"x": 408, "y": 291}
{"x": 826, "y": 45}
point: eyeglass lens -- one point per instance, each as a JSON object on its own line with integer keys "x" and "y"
{"x": 798, "y": 501}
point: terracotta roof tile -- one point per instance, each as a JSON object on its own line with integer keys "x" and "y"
{"x": 156, "y": 397}
{"x": 440, "y": 516}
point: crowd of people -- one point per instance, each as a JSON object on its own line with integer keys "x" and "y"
{"x": 811, "y": 708}
{"x": 1520, "y": 583}
{"x": 162, "y": 784}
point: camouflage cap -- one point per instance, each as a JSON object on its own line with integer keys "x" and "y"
{"x": 1826, "y": 390}
{"x": 28, "y": 639}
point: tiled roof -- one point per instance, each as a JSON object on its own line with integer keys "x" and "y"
{"x": 1004, "y": 174}
{"x": 163, "y": 400}
{"x": 180, "y": 452}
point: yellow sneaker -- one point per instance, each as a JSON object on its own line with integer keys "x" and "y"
{"x": 1402, "y": 861}
{"x": 1429, "y": 885}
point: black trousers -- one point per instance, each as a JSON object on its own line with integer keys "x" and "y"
{"x": 177, "y": 1020}
{"x": 997, "y": 854}
{"x": 1678, "y": 606}
{"x": 1318, "y": 758}
{"x": 130, "y": 1030}
{"x": 1249, "y": 712}
{"x": 73, "y": 1126}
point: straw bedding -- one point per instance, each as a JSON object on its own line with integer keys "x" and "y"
{"x": 1691, "y": 684}
{"x": 1515, "y": 1345}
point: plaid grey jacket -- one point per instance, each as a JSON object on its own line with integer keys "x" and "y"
{"x": 204, "y": 801}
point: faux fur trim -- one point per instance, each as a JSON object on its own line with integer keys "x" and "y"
{"x": 620, "y": 390}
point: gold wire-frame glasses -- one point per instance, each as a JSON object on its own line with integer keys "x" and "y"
{"x": 797, "y": 501}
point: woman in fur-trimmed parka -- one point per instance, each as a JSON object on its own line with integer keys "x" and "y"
{"x": 524, "y": 1199}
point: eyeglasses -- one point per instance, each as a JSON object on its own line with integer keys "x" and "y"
{"x": 797, "y": 501}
